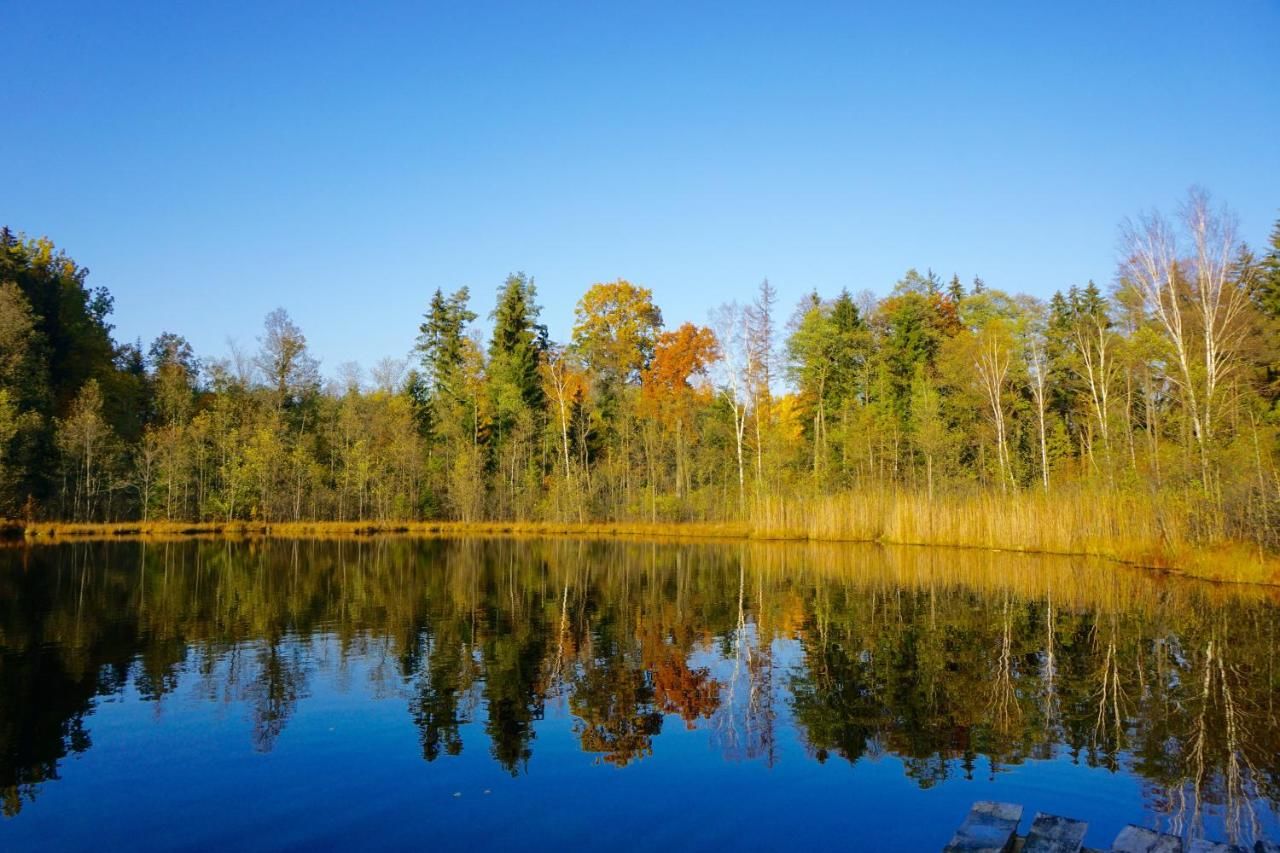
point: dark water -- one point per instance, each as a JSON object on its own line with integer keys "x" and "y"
{"x": 540, "y": 695}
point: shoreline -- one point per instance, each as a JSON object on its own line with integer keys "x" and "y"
{"x": 1236, "y": 564}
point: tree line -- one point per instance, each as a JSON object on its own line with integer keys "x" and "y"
{"x": 1165, "y": 383}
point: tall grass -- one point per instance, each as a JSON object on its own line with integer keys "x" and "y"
{"x": 1145, "y": 530}
{"x": 1080, "y": 523}
{"x": 1149, "y": 530}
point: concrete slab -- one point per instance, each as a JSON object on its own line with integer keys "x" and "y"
{"x": 990, "y": 827}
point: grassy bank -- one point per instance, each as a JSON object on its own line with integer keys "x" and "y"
{"x": 54, "y": 531}
{"x": 1124, "y": 528}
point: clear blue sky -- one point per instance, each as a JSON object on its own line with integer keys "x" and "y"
{"x": 210, "y": 161}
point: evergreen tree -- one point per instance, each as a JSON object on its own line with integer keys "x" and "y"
{"x": 1266, "y": 300}
{"x": 519, "y": 343}
{"x": 441, "y": 339}
{"x": 848, "y": 351}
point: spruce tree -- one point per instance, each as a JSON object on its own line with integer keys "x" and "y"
{"x": 519, "y": 342}
{"x": 439, "y": 345}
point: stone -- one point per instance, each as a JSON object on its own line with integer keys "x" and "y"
{"x": 1200, "y": 845}
{"x": 989, "y": 828}
{"x": 1054, "y": 834}
{"x": 1136, "y": 839}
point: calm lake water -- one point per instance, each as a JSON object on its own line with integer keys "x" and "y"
{"x": 517, "y": 694}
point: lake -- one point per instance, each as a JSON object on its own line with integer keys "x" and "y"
{"x": 543, "y": 694}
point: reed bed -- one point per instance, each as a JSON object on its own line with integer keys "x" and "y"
{"x": 1130, "y": 528}
{"x": 1136, "y": 529}
{"x": 1111, "y": 525}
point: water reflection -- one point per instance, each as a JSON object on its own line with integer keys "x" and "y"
{"x": 956, "y": 662}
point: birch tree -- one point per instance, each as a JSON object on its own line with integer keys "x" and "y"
{"x": 736, "y": 370}
{"x": 1195, "y": 300}
{"x": 1037, "y": 384}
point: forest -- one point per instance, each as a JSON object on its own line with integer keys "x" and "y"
{"x": 1143, "y": 412}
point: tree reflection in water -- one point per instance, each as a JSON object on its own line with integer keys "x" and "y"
{"x": 949, "y": 660}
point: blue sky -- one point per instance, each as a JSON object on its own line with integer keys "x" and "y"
{"x": 209, "y": 162}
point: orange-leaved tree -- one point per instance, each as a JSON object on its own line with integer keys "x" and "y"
{"x": 672, "y": 386}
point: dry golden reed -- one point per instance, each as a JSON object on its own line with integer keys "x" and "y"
{"x": 1121, "y": 527}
